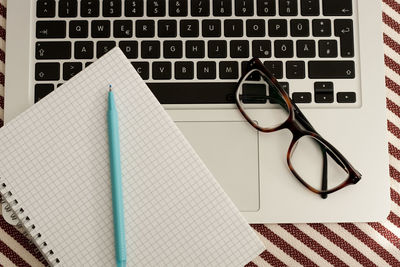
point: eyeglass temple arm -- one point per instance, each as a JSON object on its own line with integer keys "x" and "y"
{"x": 324, "y": 186}
{"x": 307, "y": 125}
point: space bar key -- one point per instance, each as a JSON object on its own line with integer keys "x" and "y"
{"x": 194, "y": 93}
{"x": 331, "y": 70}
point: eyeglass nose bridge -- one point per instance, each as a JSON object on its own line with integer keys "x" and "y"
{"x": 295, "y": 128}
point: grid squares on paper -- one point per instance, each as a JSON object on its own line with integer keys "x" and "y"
{"x": 56, "y": 164}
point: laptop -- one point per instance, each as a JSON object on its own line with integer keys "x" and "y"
{"x": 327, "y": 54}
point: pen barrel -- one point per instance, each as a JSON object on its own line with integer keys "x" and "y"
{"x": 116, "y": 182}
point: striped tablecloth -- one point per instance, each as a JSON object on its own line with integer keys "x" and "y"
{"x": 343, "y": 244}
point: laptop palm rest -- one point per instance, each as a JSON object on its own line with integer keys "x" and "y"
{"x": 230, "y": 151}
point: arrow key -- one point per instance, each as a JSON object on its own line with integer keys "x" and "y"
{"x": 346, "y": 97}
{"x": 47, "y": 71}
{"x": 323, "y": 92}
{"x": 337, "y": 7}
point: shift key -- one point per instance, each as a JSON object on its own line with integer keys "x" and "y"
{"x": 53, "y": 50}
{"x": 331, "y": 70}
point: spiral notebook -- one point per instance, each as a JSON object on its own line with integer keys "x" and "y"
{"x": 55, "y": 174}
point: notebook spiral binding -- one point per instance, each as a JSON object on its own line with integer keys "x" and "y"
{"x": 29, "y": 228}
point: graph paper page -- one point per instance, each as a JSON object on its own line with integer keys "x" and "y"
{"x": 54, "y": 159}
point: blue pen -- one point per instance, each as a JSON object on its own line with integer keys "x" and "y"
{"x": 116, "y": 181}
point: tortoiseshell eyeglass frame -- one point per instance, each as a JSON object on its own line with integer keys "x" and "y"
{"x": 298, "y": 124}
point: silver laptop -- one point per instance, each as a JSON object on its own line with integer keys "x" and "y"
{"x": 327, "y": 54}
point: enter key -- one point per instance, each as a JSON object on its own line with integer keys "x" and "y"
{"x": 344, "y": 30}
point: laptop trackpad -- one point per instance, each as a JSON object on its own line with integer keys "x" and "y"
{"x": 230, "y": 151}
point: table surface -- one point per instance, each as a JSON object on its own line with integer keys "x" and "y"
{"x": 359, "y": 244}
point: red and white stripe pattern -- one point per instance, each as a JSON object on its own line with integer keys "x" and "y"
{"x": 343, "y": 244}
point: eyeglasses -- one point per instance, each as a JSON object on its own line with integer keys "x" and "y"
{"x": 316, "y": 163}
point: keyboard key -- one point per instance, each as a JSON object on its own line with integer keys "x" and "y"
{"x": 275, "y": 67}
{"x": 78, "y": 29}
{"x": 254, "y": 93}
{"x": 273, "y": 95}
{"x": 70, "y": 69}
{"x": 222, "y": 8}
{"x": 189, "y": 28}
{"x": 295, "y": 70}
{"x": 42, "y": 90}
{"x": 167, "y": 28}
{"x": 283, "y": 48}
{"x": 327, "y": 48}
{"x": 211, "y": 28}
{"x": 310, "y": 7}
{"x": 344, "y": 30}
{"x": 45, "y": 8}
{"x": 90, "y": 8}
{"x": 255, "y": 76}
{"x": 261, "y": 48}
{"x": 83, "y": 50}
{"x": 195, "y": 49}
{"x": 133, "y": 8}
{"x": 161, "y": 70}
{"x": 47, "y": 71}
{"x": 305, "y": 48}
{"x": 150, "y": 49}
{"x": 87, "y": 64}
{"x": 100, "y": 28}
{"x": 321, "y": 27}
{"x": 130, "y": 48}
{"x": 299, "y": 28}
{"x": 173, "y": 49}
{"x": 239, "y": 49}
{"x": 255, "y": 27}
{"x": 145, "y": 28}
{"x": 337, "y": 7}
{"x": 53, "y": 50}
{"x": 178, "y": 8}
{"x": 323, "y": 92}
{"x": 104, "y": 47}
{"x": 67, "y": 8}
{"x": 111, "y": 8}
{"x": 233, "y": 28}
{"x": 217, "y": 49}
{"x": 285, "y": 86}
{"x": 122, "y": 28}
{"x": 142, "y": 68}
{"x": 301, "y": 97}
{"x": 194, "y": 93}
{"x": 200, "y": 8}
{"x": 156, "y": 8}
{"x": 50, "y": 29}
{"x": 331, "y": 70}
{"x": 244, "y": 8}
{"x": 228, "y": 70}
{"x": 277, "y": 27}
{"x": 266, "y": 8}
{"x": 288, "y": 8}
{"x": 184, "y": 70}
{"x": 206, "y": 70}
{"x": 346, "y": 97}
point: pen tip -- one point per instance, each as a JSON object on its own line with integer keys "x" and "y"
{"x": 109, "y": 87}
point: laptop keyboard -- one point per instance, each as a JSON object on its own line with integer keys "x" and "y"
{"x": 194, "y": 52}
